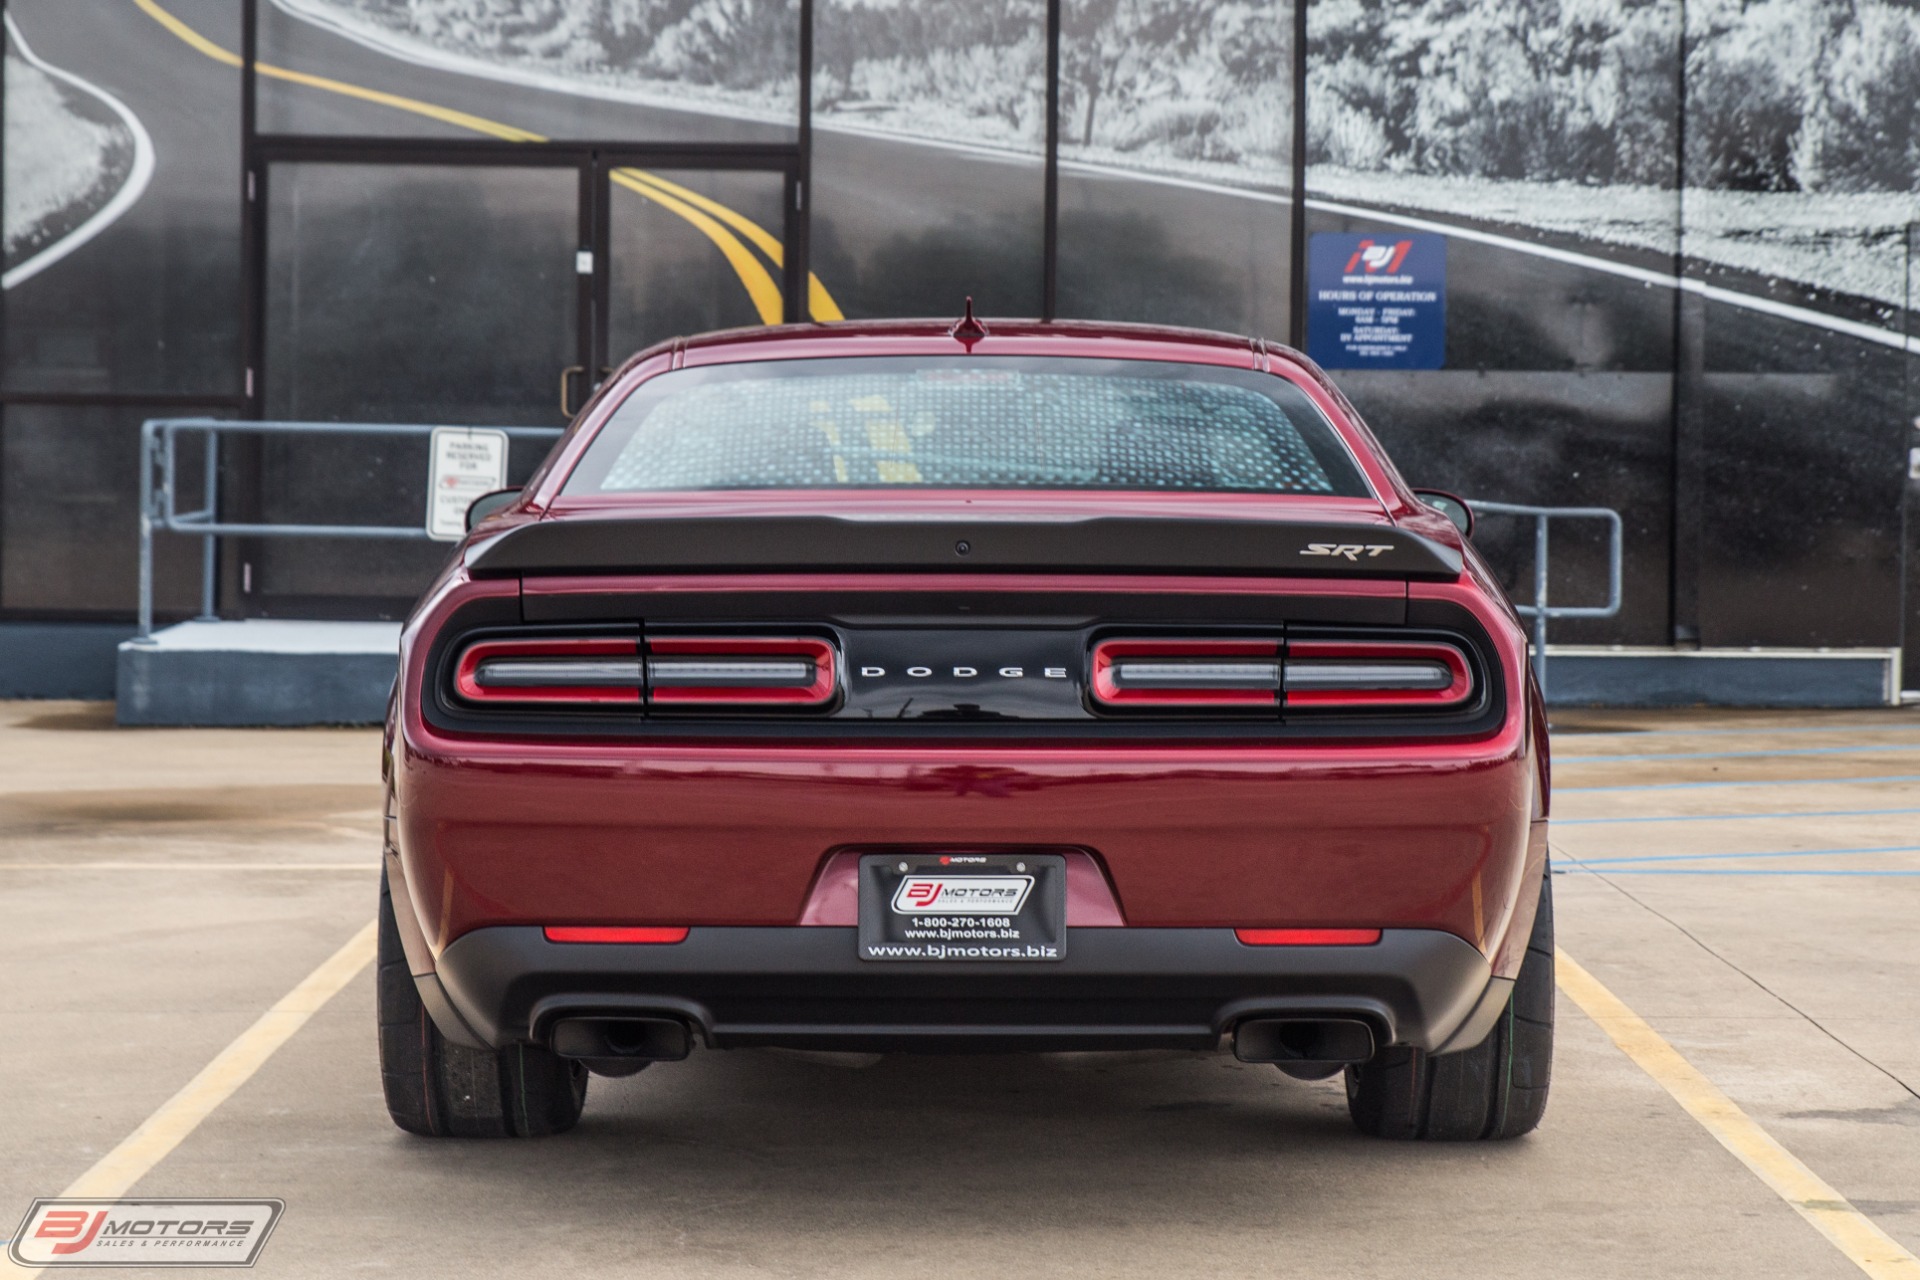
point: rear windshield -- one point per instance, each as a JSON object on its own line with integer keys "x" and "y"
{"x": 968, "y": 422}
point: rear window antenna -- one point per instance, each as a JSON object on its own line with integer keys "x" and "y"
{"x": 968, "y": 329}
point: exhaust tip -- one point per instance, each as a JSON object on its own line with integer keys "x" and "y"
{"x": 621, "y": 1046}
{"x": 1317, "y": 1045}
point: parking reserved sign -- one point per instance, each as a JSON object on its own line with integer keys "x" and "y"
{"x": 467, "y": 462}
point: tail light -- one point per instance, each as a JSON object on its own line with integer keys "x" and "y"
{"x": 1187, "y": 673}
{"x": 1230, "y": 673}
{"x": 673, "y": 672}
{"x": 1376, "y": 674}
{"x": 740, "y": 671}
{"x": 568, "y": 670}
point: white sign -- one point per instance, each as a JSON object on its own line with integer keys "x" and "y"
{"x": 467, "y": 462}
{"x": 962, "y": 895}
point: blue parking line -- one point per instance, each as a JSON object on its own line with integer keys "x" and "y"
{"x": 1785, "y": 728}
{"x": 1721, "y": 857}
{"x": 1734, "y": 817}
{"x": 1761, "y": 782}
{"x": 1737, "y": 755}
{"x": 1730, "y": 871}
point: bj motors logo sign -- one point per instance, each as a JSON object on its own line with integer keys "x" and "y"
{"x": 962, "y": 895}
{"x": 144, "y": 1233}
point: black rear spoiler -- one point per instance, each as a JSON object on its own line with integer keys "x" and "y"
{"x": 1100, "y": 544}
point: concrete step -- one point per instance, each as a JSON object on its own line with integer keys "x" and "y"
{"x": 258, "y": 672}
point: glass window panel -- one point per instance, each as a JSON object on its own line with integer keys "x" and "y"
{"x": 928, "y": 182}
{"x": 706, "y": 71}
{"x": 402, "y": 294}
{"x": 969, "y": 422}
{"x": 70, "y": 513}
{"x": 123, "y": 200}
{"x": 1176, "y": 139}
{"x": 689, "y": 252}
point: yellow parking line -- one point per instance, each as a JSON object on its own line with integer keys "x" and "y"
{"x": 1832, "y": 1214}
{"x": 368, "y": 867}
{"x": 677, "y": 199}
{"x": 115, "y": 1173}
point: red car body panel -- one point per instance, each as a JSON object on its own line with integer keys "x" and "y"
{"x": 1397, "y": 832}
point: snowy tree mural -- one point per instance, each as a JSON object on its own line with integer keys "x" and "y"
{"x": 1802, "y": 123}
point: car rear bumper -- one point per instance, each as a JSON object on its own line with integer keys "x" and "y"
{"x": 803, "y": 987}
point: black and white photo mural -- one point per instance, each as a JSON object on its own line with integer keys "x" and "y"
{"x": 1654, "y": 255}
{"x": 1680, "y": 283}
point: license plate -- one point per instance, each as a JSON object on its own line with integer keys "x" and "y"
{"x": 963, "y": 907}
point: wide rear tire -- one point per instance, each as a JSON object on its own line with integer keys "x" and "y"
{"x": 1497, "y": 1089}
{"x": 442, "y": 1090}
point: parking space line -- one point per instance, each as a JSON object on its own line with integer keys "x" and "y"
{"x": 1755, "y": 782}
{"x": 1882, "y": 748}
{"x": 367, "y": 867}
{"x": 1763, "y": 815}
{"x": 1735, "y": 857}
{"x": 1608, "y": 869}
{"x": 1857, "y": 1236}
{"x": 115, "y": 1173}
{"x": 1749, "y": 732}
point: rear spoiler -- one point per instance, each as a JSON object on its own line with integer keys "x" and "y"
{"x": 1101, "y": 544}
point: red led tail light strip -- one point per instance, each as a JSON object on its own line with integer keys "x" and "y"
{"x": 749, "y": 652}
{"x": 564, "y": 654}
{"x": 1112, "y": 659}
{"x": 1328, "y": 660}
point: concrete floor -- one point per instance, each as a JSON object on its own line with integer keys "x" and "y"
{"x": 237, "y": 860}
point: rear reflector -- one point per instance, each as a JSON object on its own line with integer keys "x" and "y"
{"x": 1187, "y": 673}
{"x": 1375, "y": 673}
{"x": 565, "y": 670}
{"x": 783, "y": 671}
{"x": 1308, "y": 937}
{"x": 600, "y": 933}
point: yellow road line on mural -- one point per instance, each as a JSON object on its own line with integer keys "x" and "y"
{"x": 760, "y": 286}
{"x": 1811, "y": 1196}
{"x": 820, "y": 304}
{"x": 697, "y": 210}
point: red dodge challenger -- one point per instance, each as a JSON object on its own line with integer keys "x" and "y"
{"x": 945, "y": 687}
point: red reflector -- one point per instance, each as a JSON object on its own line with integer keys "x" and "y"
{"x": 602, "y": 933}
{"x": 1308, "y": 937}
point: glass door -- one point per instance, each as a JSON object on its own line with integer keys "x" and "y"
{"x": 446, "y": 293}
{"x": 413, "y": 287}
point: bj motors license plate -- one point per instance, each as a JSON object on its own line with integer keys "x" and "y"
{"x": 963, "y": 907}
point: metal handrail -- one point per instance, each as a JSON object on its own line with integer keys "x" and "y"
{"x": 1540, "y": 610}
{"x": 159, "y": 452}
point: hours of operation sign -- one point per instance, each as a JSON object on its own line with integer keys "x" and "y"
{"x": 1377, "y": 300}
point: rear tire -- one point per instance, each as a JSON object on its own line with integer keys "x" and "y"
{"x": 1497, "y": 1089}
{"x": 442, "y": 1090}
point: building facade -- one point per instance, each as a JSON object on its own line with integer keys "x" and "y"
{"x": 1654, "y": 255}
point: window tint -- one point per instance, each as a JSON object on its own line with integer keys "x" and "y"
{"x": 968, "y": 422}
